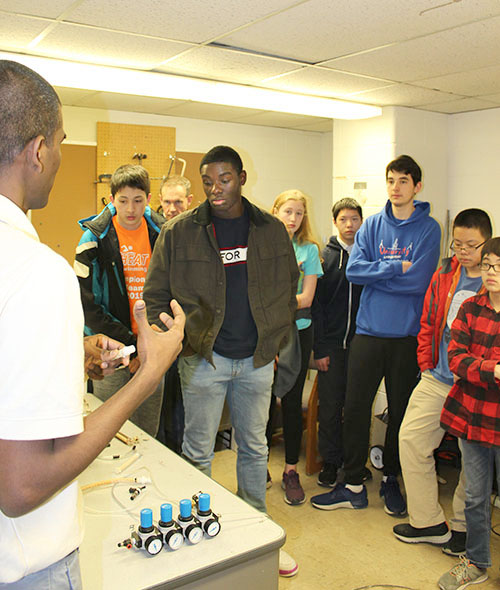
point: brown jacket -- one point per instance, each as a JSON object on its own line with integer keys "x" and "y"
{"x": 186, "y": 265}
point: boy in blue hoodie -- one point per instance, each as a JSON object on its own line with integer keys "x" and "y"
{"x": 394, "y": 255}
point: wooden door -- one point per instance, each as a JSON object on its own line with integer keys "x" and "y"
{"x": 73, "y": 197}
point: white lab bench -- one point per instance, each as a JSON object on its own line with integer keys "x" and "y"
{"x": 243, "y": 556}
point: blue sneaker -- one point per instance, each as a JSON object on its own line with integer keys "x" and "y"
{"x": 395, "y": 504}
{"x": 340, "y": 497}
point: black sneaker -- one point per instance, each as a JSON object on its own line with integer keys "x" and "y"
{"x": 269, "y": 481}
{"x": 328, "y": 475}
{"x": 456, "y": 545}
{"x": 395, "y": 504}
{"x": 435, "y": 535}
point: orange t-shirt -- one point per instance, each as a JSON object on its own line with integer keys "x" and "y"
{"x": 136, "y": 254}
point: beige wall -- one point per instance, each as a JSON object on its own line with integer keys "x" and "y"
{"x": 275, "y": 159}
{"x": 362, "y": 149}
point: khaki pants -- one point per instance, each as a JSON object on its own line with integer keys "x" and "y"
{"x": 419, "y": 436}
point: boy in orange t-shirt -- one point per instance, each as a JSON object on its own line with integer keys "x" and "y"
{"x": 111, "y": 262}
{"x": 136, "y": 254}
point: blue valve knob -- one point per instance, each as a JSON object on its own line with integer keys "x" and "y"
{"x": 185, "y": 508}
{"x": 146, "y": 518}
{"x": 204, "y": 502}
{"x": 166, "y": 512}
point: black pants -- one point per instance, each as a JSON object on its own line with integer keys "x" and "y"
{"x": 171, "y": 429}
{"x": 370, "y": 359}
{"x": 291, "y": 404}
{"x": 331, "y": 396}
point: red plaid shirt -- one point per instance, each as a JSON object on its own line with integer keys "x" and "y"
{"x": 472, "y": 408}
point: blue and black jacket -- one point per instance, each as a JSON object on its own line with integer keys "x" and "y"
{"x": 99, "y": 268}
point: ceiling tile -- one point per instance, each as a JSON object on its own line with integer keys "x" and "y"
{"x": 402, "y": 95}
{"x": 464, "y": 48}
{"x": 399, "y": 60}
{"x": 202, "y": 110}
{"x": 273, "y": 119}
{"x": 127, "y": 102}
{"x": 16, "y": 31}
{"x": 322, "y": 125}
{"x": 321, "y": 29}
{"x": 114, "y": 49}
{"x": 492, "y": 97}
{"x": 189, "y": 20}
{"x": 473, "y": 83}
{"x": 72, "y": 96}
{"x": 459, "y": 106}
{"x": 223, "y": 64}
{"x": 47, "y": 8}
{"x": 322, "y": 82}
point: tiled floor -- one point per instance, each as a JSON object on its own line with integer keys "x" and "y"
{"x": 353, "y": 549}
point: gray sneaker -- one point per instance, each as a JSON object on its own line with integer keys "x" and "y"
{"x": 460, "y": 576}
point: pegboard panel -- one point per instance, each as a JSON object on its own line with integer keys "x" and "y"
{"x": 117, "y": 143}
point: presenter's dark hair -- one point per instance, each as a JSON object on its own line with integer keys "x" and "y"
{"x": 223, "y": 153}
{"x": 29, "y": 107}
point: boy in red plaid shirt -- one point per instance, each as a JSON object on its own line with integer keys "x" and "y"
{"x": 472, "y": 413}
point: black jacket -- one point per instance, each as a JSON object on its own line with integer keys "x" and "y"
{"x": 186, "y": 265}
{"x": 335, "y": 304}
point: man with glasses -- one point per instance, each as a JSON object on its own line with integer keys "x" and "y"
{"x": 458, "y": 279}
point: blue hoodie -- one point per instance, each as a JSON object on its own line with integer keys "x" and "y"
{"x": 391, "y": 301}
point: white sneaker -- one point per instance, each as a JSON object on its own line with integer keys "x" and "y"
{"x": 288, "y": 565}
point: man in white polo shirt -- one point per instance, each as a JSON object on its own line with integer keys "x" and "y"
{"x": 44, "y": 443}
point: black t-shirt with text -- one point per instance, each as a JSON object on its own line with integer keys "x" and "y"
{"x": 237, "y": 337}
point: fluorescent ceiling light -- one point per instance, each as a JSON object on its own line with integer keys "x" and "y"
{"x": 136, "y": 82}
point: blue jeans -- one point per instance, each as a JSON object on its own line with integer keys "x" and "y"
{"x": 62, "y": 575}
{"x": 478, "y": 465}
{"x": 147, "y": 415}
{"x": 248, "y": 390}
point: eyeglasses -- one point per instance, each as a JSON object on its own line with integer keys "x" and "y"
{"x": 485, "y": 267}
{"x": 466, "y": 249}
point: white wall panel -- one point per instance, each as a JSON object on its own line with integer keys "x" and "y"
{"x": 275, "y": 159}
